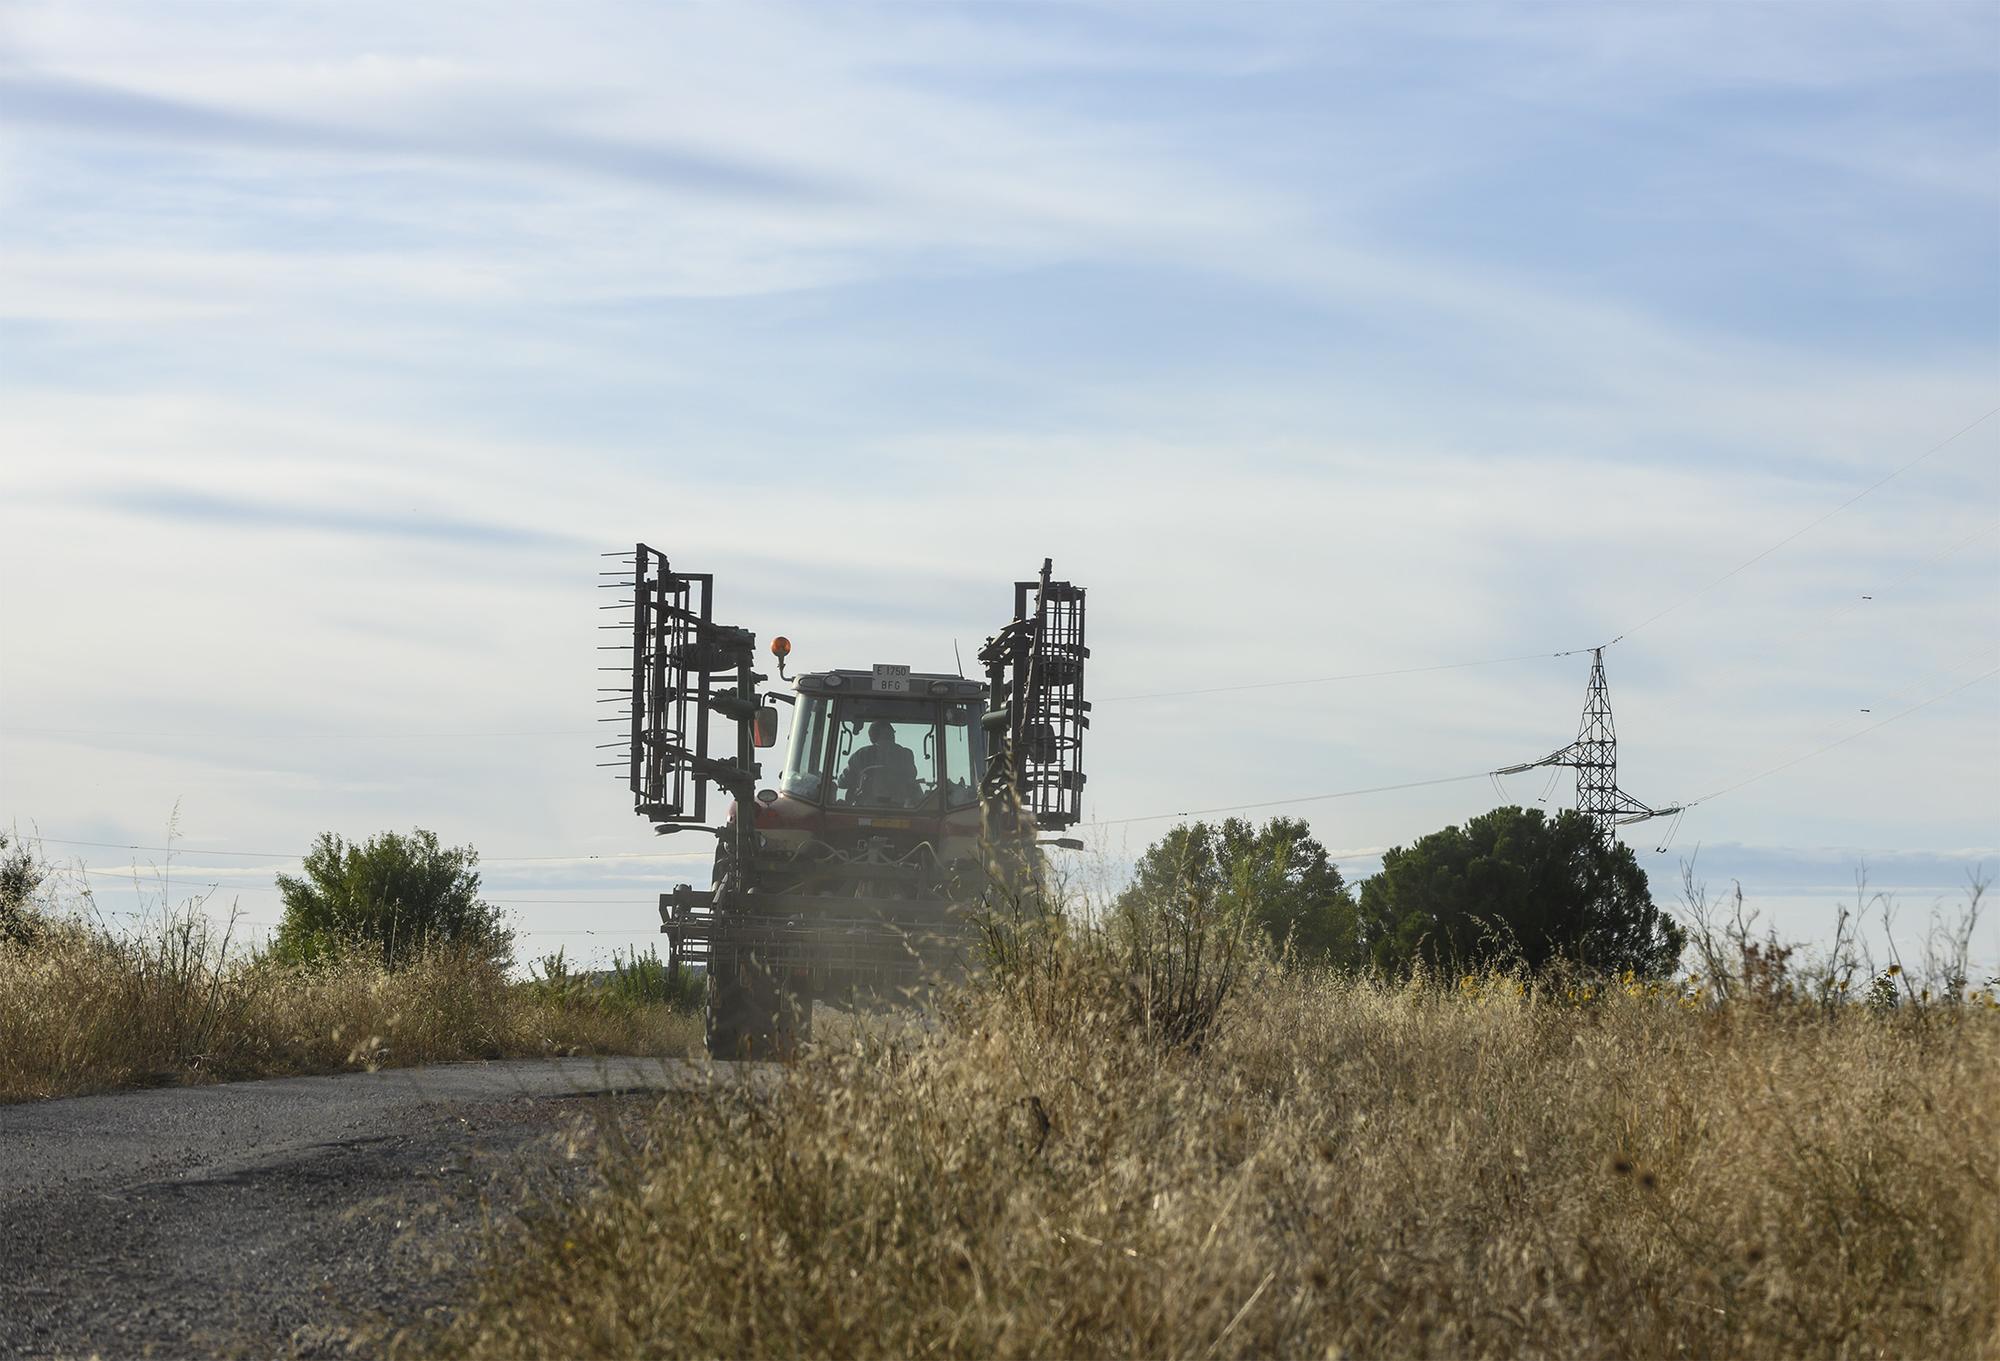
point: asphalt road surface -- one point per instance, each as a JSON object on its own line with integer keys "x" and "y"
{"x": 287, "y": 1217}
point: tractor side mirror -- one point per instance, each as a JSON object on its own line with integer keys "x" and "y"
{"x": 764, "y": 728}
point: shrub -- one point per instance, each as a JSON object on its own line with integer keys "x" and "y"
{"x": 22, "y": 873}
{"x": 1162, "y": 963}
{"x": 399, "y": 895}
{"x": 646, "y": 980}
{"x": 1278, "y": 876}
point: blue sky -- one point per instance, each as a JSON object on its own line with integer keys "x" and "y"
{"x": 335, "y": 342}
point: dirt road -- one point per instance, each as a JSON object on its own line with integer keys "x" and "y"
{"x": 274, "y": 1217}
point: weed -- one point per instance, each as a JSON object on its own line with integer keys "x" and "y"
{"x": 1341, "y": 1166}
{"x": 83, "y": 1008}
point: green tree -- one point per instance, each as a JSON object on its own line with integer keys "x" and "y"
{"x": 21, "y": 874}
{"x": 1515, "y": 887}
{"x": 1277, "y": 874}
{"x": 398, "y": 894}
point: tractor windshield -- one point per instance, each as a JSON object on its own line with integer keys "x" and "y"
{"x": 884, "y": 753}
{"x": 867, "y": 752}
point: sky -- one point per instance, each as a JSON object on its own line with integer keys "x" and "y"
{"x": 337, "y": 342}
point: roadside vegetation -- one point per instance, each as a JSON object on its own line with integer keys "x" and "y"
{"x": 1153, "y": 1129}
{"x": 178, "y": 998}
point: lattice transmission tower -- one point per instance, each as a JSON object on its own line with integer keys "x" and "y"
{"x": 1594, "y": 757}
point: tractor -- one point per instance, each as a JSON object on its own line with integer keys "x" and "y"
{"x": 904, "y": 797}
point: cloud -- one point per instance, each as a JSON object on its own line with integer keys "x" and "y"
{"x": 49, "y": 104}
{"x": 182, "y": 505}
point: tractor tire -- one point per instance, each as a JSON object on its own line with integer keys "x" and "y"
{"x": 724, "y": 1014}
{"x": 751, "y": 1015}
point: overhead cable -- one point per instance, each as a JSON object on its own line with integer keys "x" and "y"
{"x": 1843, "y": 741}
{"x": 293, "y": 736}
{"x": 1347, "y": 676}
{"x": 282, "y": 855}
{"x": 1280, "y": 803}
{"x": 1833, "y": 614}
{"x": 1871, "y": 488}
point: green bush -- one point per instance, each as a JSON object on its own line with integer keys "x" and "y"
{"x": 21, "y": 874}
{"x": 399, "y": 895}
{"x": 1277, "y": 877}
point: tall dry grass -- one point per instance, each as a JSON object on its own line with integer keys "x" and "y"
{"x": 1342, "y": 1166}
{"x": 83, "y": 1008}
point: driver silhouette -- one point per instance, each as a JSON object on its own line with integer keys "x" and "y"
{"x": 884, "y": 771}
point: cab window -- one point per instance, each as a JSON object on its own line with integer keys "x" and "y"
{"x": 885, "y": 754}
{"x": 962, "y": 751}
{"x": 806, "y": 756}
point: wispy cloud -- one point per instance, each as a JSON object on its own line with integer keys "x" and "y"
{"x": 51, "y": 105}
{"x": 181, "y": 505}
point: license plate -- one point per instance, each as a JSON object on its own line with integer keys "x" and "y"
{"x": 893, "y": 679}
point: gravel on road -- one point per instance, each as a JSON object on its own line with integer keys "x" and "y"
{"x": 278, "y": 1217}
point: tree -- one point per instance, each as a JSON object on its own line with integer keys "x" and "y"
{"x": 1515, "y": 887}
{"x": 398, "y": 894}
{"x": 1278, "y": 874}
{"x": 21, "y": 874}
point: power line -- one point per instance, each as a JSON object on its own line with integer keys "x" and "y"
{"x": 283, "y": 855}
{"x": 1865, "y": 491}
{"x": 1831, "y": 615}
{"x": 1152, "y": 694}
{"x": 596, "y": 931}
{"x": 241, "y": 735}
{"x": 1455, "y": 779}
{"x": 1168, "y": 694}
{"x": 1280, "y": 803}
{"x": 524, "y": 931}
{"x": 238, "y": 886}
{"x": 1351, "y": 675}
{"x": 1843, "y": 741}
{"x": 170, "y": 850}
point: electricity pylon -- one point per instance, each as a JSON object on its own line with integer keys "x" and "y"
{"x": 1594, "y": 757}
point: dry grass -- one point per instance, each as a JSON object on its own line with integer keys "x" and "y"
{"x": 1344, "y": 1166}
{"x": 82, "y": 1009}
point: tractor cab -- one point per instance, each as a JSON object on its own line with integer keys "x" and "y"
{"x": 856, "y": 744}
